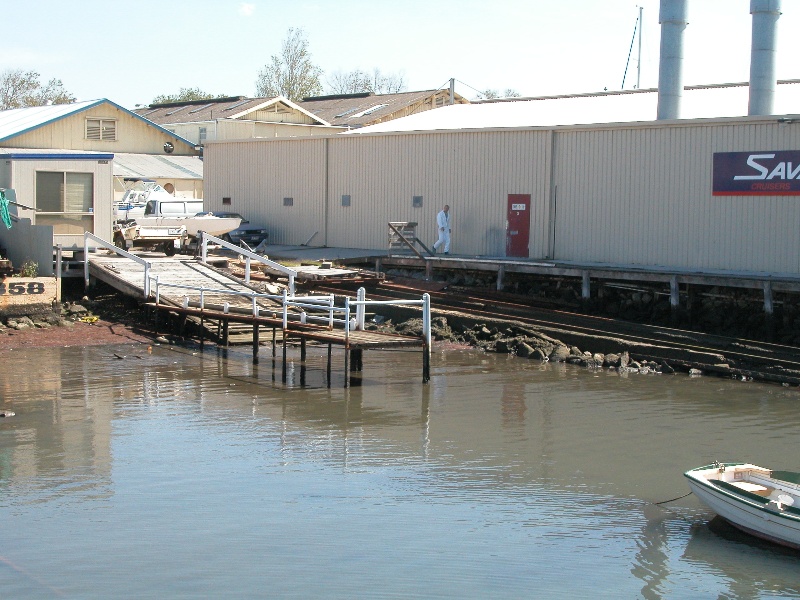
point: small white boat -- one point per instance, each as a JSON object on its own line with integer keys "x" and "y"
{"x": 136, "y": 196}
{"x": 759, "y": 501}
{"x": 207, "y": 222}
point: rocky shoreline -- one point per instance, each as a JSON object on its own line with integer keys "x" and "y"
{"x": 105, "y": 316}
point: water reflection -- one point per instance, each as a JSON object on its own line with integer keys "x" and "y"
{"x": 541, "y": 475}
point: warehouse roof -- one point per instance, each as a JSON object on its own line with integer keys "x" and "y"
{"x": 234, "y": 107}
{"x": 358, "y": 110}
{"x": 708, "y": 101}
{"x": 158, "y": 166}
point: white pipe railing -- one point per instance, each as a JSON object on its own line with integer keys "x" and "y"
{"x": 314, "y": 304}
{"x": 204, "y": 239}
{"x": 108, "y": 245}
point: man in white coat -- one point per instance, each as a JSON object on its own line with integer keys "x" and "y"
{"x": 443, "y": 227}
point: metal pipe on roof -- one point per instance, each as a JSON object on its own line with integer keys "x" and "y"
{"x": 763, "y": 52}
{"x": 672, "y": 18}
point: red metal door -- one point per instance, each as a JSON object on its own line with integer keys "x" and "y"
{"x": 518, "y": 225}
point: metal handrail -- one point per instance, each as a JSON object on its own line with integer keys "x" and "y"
{"x": 109, "y": 246}
{"x": 204, "y": 238}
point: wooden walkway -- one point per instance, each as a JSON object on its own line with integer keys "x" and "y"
{"x": 223, "y": 302}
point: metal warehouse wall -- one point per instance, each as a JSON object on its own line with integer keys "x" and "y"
{"x": 626, "y": 194}
{"x": 642, "y": 195}
{"x": 257, "y": 175}
{"x": 472, "y": 172}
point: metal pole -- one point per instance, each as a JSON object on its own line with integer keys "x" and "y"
{"x": 361, "y": 309}
{"x": 85, "y": 262}
{"x": 639, "y": 61}
{"x": 426, "y": 329}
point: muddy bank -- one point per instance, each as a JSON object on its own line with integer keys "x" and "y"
{"x": 105, "y": 316}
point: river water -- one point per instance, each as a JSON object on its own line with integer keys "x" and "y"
{"x": 166, "y": 472}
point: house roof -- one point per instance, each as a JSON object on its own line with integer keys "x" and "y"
{"x": 702, "y": 101}
{"x": 236, "y": 107}
{"x": 157, "y": 166}
{"x": 17, "y": 121}
{"x": 359, "y": 110}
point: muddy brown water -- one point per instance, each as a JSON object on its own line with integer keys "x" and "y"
{"x": 181, "y": 474}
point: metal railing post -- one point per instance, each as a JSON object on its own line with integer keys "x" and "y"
{"x": 361, "y": 309}
{"x": 285, "y": 312}
{"x": 86, "y": 261}
{"x": 347, "y": 319}
{"x": 247, "y": 269}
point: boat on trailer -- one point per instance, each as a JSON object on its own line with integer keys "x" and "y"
{"x": 759, "y": 501}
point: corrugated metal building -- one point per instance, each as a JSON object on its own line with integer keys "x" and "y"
{"x": 622, "y": 193}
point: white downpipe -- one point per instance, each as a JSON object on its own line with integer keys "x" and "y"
{"x": 672, "y": 18}
{"x": 763, "y": 53}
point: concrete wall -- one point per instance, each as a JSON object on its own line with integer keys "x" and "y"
{"x": 24, "y": 242}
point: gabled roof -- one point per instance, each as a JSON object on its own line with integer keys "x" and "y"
{"x": 168, "y": 166}
{"x": 17, "y": 121}
{"x": 236, "y": 107}
{"x": 359, "y": 110}
{"x": 698, "y": 102}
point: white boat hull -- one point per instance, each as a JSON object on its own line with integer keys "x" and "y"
{"x": 761, "y": 519}
{"x": 215, "y": 226}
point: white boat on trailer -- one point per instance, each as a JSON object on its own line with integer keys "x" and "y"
{"x": 759, "y": 501}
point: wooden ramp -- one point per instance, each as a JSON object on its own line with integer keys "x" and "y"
{"x": 128, "y": 277}
{"x": 191, "y": 290}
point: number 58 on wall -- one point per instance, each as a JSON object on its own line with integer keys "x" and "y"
{"x": 17, "y": 289}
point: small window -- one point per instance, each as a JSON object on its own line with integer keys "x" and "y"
{"x": 416, "y": 201}
{"x": 288, "y": 201}
{"x": 172, "y": 112}
{"x": 369, "y": 111}
{"x": 199, "y": 109}
{"x": 202, "y": 135}
{"x": 238, "y": 104}
{"x": 104, "y": 130}
{"x": 346, "y": 200}
{"x": 345, "y": 113}
{"x": 226, "y": 200}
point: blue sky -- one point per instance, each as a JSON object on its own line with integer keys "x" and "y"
{"x": 130, "y": 52}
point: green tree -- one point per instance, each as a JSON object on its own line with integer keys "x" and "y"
{"x": 290, "y": 73}
{"x": 186, "y": 95}
{"x": 19, "y": 89}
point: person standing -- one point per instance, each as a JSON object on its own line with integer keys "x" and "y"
{"x": 443, "y": 227}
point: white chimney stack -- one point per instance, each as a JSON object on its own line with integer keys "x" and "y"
{"x": 672, "y": 18}
{"x": 763, "y": 79}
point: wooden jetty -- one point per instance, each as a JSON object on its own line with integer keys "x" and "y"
{"x": 198, "y": 289}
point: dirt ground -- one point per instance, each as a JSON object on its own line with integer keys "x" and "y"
{"x": 79, "y": 334}
{"x": 118, "y": 322}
